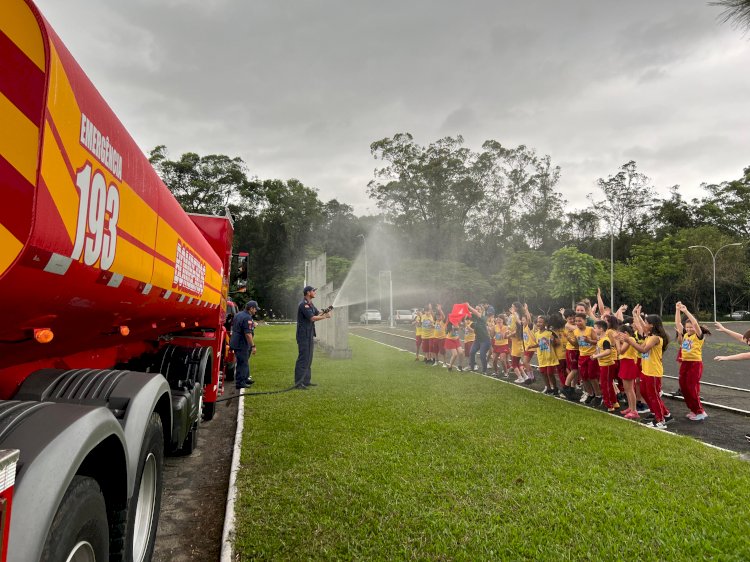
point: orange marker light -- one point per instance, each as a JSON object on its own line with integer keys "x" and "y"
{"x": 124, "y": 330}
{"x": 153, "y": 325}
{"x": 182, "y": 324}
{"x": 43, "y": 335}
{"x": 196, "y": 323}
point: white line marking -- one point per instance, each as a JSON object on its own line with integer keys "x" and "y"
{"x": 227, "y": 535}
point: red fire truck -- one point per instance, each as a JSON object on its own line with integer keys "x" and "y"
{"x": 112, "y": 301}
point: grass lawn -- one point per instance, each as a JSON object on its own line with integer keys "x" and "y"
{"x": 390, "y": 459}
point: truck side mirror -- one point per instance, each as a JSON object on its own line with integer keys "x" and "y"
{"x": 242, "y": 272}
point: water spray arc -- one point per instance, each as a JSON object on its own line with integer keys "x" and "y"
{"x": 367, "y": 300}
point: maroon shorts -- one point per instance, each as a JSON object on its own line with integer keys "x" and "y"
{"x": 438, "y": 345}
{"x": 588, "y": 369}
{"x": 427, "y": 345}
{"x": 452, "y": 344}
{"x": 515, "y": 361}
{"x": 571, "y": 359}
{"x": 467, "y": 348}
{"x": 549, "y": 371}
{"x": 529, "y": 354}
{"x": 629, "y": 370}
{"x": 500, "y": 349}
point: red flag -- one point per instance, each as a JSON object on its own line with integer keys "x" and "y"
{"x": 459, "y": 312}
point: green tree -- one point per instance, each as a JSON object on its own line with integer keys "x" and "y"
{"x": 449, "y": 281}
{"x": 203, "y": 184}
{"x": 524, "y": 276}
{"x": 627, "y": 197}
{"x": 727, "y": 206}
{"x": 573, "y": 274}
{"x": 426, "y": 191}
{"x": 735, "y": 11}
{"x": 660, "y": 265}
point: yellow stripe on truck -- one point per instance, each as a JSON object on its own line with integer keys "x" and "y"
{"x": 21, "y": 27}
{"x": 10, "y": 247}
{"x": 19, "y": 149}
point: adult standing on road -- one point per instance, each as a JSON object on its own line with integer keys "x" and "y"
{"x": 243, "y": 344}
{"x": 307, "y": 315}
{"x": 481, "y": 338}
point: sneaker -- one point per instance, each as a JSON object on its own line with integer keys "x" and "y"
{"x": 556, "y": 392}
{"x": 642, "y": 408}
{"x": 700, "y": 417}
{"x": 461, "y": 369}
{"x": 616, "y": 405}
{"x": 597, "y": 401}
{"x": 585, "y": 398}
{"x": 611, "y": 410}
{"x": 450, "y": 369}
{"x": 626, "y": 411}
{"x": 546, "y": 390}
{"x": 668, "y": 418}
{"x": 520, "y": 380}
{"x": 660, "y": 425}
{"x": 590, "y": 399}
{"x": 632, "y": 416}
{"x": 621, "y": 397}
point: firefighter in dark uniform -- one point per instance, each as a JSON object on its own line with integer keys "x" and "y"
{"x": 307, "y": 315}
{"x": 243, "y": 344}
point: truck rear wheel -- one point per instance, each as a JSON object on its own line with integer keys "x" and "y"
{"x": 79, "y": 531}
{"x": 146, "y": 503}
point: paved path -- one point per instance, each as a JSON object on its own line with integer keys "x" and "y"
{"x": 195, "y": 492}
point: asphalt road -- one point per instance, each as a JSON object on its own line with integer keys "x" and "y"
{"x": 722, "y": 428}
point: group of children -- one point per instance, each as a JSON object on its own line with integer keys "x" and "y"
{"x": 614, "y": 358}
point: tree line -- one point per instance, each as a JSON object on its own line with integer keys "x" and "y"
{"x": 487, "y": 225}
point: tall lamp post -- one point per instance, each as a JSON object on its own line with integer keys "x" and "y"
{"x": 367, "y": 300}
{"x": 713, "y": 257}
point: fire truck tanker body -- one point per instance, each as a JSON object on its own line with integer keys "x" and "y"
{"x": 112, "y": 301}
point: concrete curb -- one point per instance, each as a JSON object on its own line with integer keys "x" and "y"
{"x": 227, "y": 535}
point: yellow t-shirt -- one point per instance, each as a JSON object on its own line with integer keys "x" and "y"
{"x": 600, "y": 348}
{"x": 545, "y": 352}
{"x": 612, "y": 335}
{"x": 528, "y": 338}
{"x": 559, "y": 344}
{"x": 585, "y": 348}
{"x": 692, "y": 347}
{"x": 570, "y": 346}
{"x": 630, "y": 353}
{"x": 651, "y": 361}
{"x": 439, "y": 331}
{"x": 427, "y": 326}
{"x": 516, "y": 343}
{"x": 469, "y": 335}
{"x": 452, "y": 334}
{"x": 500, "y": 334}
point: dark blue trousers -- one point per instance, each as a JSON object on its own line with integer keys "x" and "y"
{"x": 483, "y": 347}
{"x": 242, "y": 372}
{"x": 302, "y": 371}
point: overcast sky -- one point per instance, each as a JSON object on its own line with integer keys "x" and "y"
{"x": 299, "y": 89}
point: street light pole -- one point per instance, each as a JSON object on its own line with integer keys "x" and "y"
{"x": 611, "y": 271}
{"x": 713, "y": 258}
{"x": 367, "y": 300}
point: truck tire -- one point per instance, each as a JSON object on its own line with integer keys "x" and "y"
{"x": 143, "y": 516}
{"x": 79, "y": 530}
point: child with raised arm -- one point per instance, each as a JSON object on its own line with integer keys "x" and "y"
{"x": 691, "y": 338}
{"x": 544, "y": 345}
{"x": 453, "y": 345}
{"x": 571, "y": 354}
{"x": 500, "y": 346}
{"x": 605, "y": 356}
{"x": 652, "y": 367}
{"x": 744, "y": 338}
{"x": 586, "y": 366}
{"x": 516, "y": 342}
{"x": 629, "y": 371}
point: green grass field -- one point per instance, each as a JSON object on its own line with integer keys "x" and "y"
{"x": 390, "y": 459}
